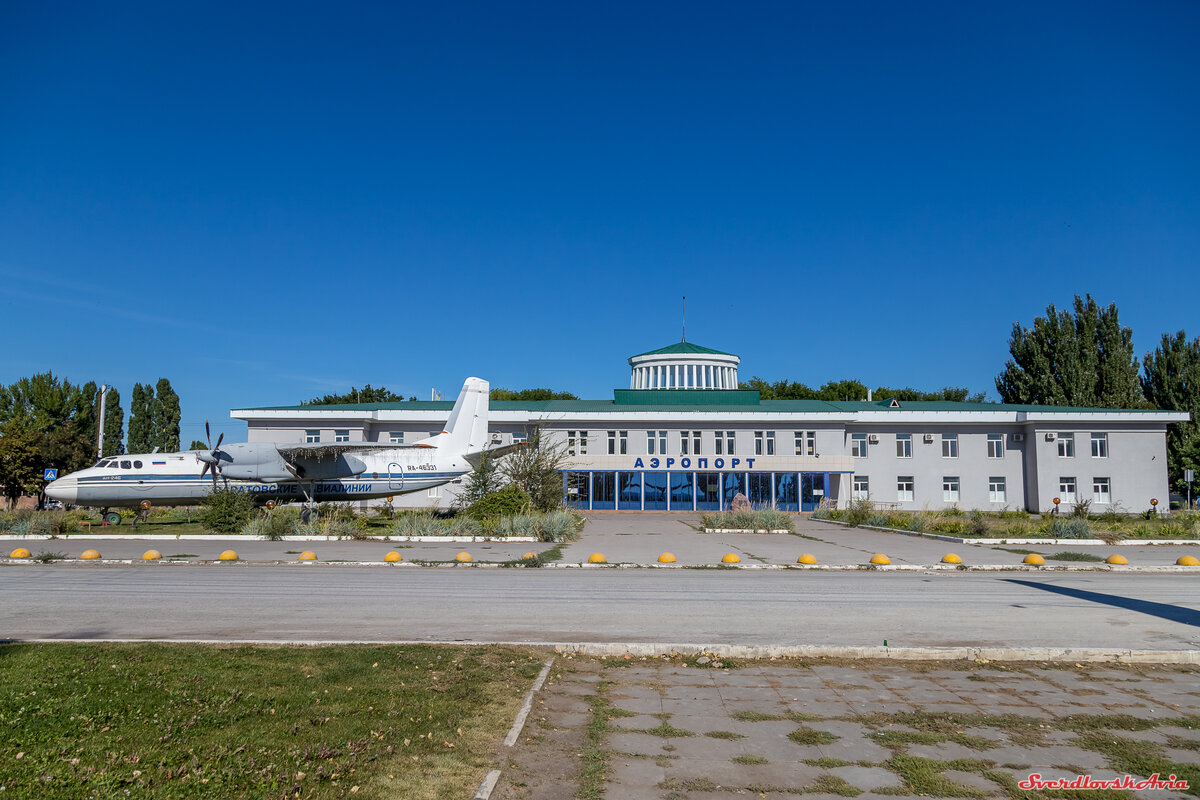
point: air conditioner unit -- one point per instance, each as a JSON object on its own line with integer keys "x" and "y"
{"x": 929, "y": 438}
{"x": 873, "y": 438}
{"x": 1017, "y": 437}
{"x": 1049, "y": 437}
{"x": 497, "y": 437}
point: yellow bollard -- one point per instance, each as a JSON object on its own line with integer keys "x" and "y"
{"x": 1034, "y": 558}
{"x": 20, "y": 552}
{"x": 1116, "y": 558}
{"x": 880, "y": 558}
{"x": 951, "y": 558}
{"x": 666, "y": 558}
{"x": 1188, "y": 561}
{"x": 529, "y": 555}
{"x": 151, "y": 555}
{"x": 464, "y": 557}
{"x": 393, "y": 556}
{"x": 307, "y": 555}
{"x": 90, "y": 554}
{"x": 228, "y": 555}
{"x": 730, "y": 558}
{"x": 597, "y": 558}
{"x": 806, "y": 558}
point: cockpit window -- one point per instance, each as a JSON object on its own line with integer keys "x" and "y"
{"x": 126, "y": 465}
{"x": 112, "y": 464}
{"x": 137, "y": 465}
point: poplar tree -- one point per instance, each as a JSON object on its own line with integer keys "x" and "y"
{"x": 1083, "y": 358}
{"x": 1171, "y": 381}
{"x": 166, "y": 417}
{"x": 141, "y": 419}
{"x": 114, "y": 424}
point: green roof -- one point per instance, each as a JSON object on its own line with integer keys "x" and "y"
{"x": 682, "y": 348}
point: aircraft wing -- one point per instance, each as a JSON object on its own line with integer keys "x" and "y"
{"x": 320, "y": 451}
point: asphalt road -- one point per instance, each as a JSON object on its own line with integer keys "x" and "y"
{"x": 336, "y": 603}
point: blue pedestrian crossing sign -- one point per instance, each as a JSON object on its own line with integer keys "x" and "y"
{"x": 50, "y": 474}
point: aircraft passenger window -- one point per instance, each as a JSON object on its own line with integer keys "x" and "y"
{"x": 126, "y": 465}
{"x": 137, "y": 465}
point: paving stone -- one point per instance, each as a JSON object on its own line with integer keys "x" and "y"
{"x": 741, "y": 694}
{"x": 561, "y": 719}
{"x": 637, "y": 743}
{"x": 638, "y": 705}
{"x": 944, "y": 751}
{"x": 971, "y": 779}
{"x": 705, "y": 747}
{"x": 634, "y": 777}
{"x": 710, "y": 693}
{"x": 867, "y": 778}
{"x": 563, "y": 704}
{"x": 637, "y": 722}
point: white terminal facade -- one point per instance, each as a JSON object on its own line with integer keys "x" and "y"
{"x": 684, "y": 437}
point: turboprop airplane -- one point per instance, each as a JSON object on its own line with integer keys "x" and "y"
{"x": 314, "y": 472}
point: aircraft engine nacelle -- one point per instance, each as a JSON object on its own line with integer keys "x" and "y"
{"x": 254, "y": 461}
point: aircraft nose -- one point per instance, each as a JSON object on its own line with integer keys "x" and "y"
{"x": 65, "y": 490}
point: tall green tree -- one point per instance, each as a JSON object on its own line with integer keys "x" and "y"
{"x": 20, "y": 461}
{"x": 114, "y": 424}
{"x": 59, "y": 416}
{"x": 500, "y": 393}
{"x": 166, "y": 416}
{"x": 367, "y": 394}
{"x": 1171, "y": 381}
{"x": 1079, "y": 358}
{"x": 141, "y": 419}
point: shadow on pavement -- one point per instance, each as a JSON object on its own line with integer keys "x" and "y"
{"x": 1186, "y": 616}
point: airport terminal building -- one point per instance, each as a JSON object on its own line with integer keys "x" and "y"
{"x": 683, "y": 437}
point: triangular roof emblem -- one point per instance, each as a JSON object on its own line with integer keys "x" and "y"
{"x": 894, "y": 403}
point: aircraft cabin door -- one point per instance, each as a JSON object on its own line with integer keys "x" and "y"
{"x": 395, "y": 477}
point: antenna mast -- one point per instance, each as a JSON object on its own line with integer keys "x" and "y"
{"x": 683, "y": 337}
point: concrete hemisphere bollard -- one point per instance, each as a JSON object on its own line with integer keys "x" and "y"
{"x": 666, "y": 558}
{"x": 951, "y": 558}
{"x": 393, "y": 557}
{"x": 730, "y": 558}
{"x": 1116, "y": 558}
{"x": 880, "y": 558}
{"x": 464, "y": 557}
{"x": 228, "y": 555}
{"x": 307, "y": 555}
{"x": 1188, "y": 561}
{"x": 806, "y": 558}
{"x": 20, "y": 552}
{"x": 597, "y": 558}
{"x": 151, "y": 555}
{"x": 90, "y": 554}
{"x": 529, "y": 556}
{"x": 1034, "y": 559}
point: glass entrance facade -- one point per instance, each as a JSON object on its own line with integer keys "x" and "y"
{"x": 693, "y": 491}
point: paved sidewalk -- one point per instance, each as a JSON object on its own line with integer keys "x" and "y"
{"x": 675, "y": 729}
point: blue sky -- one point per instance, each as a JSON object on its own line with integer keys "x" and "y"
{"x": 267, "y": 202}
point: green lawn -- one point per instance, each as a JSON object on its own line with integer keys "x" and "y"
{"x": 182, "y": 721}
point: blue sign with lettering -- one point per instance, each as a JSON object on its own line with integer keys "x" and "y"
{"x": 50, "y": 474}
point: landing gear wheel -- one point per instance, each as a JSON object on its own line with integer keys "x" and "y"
{"x": 112, "y": 517}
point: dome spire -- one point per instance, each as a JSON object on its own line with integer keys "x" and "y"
{"x": 683, "y": 335}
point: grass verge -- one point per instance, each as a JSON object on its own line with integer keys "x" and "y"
{"x": 194, "y": 721}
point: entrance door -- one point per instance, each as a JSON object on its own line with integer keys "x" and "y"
{"x": 578, "y": 490}
{"x": 604, "y": 490}
{"x": 787, "y": 492}
{"x": 395, "y": 477}
{"x": 735, "y": 484}
{"x": 681, "y": 491}
{"x": 812, "y": 489}
{"x": 656, "y": 491}
{"x": 708, "y": 491}
{"x": 629, "y": 491}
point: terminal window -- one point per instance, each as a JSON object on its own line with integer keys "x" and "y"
{"x": 806, "y": 443}
{"x": 396, "y": 437}
{"x": 656, "y": 443}
{"x": 858, "y": 445}
{"x": 904, "y": 488}
{"x": 724, "y": 443}
{"x": 689, "y": 443}
{"x": 997, "y": 490}
{"x": 950, "y": 489}
{"x": 995, "y": 445}
{"x": 1066, "y": 445}
{"x": 341, "y": 436}
{"x": 1099, "y": 445}
{"x": 1066, "y": 490}
{"x": 312, "y": 436}
{"x": 862, "y": 487}
{"x": 764, "y": 450}
{"x": 903, "y": 445}
{"x": 618, "y": 442}
{"x": 1101, "y": 490}
{"x": 577, "y": 443}
{"x": 949, "y": 445}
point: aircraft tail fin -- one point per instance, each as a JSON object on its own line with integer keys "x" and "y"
{"x": 467, "y": 428}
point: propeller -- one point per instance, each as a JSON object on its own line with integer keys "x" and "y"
{"x": 211, "y": 458}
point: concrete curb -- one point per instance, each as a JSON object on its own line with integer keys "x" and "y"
{"x": 218, "y": 537}
{"x": 941, "y": 537}
{"x": 203, "y": 562}
{"x": 748, "y": 652}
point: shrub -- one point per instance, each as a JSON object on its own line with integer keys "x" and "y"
{"x": 272, "y": 526}
{"x": 463, "y": 525}
{"x": 921, "y": 522}
{"x": 823, "y": 512}
{"x": 978, "y": 526}
{"x": 953, "y": 511}
{"x": 877, "y": 521}
{"x": 858, "y": 512}
{"x": 1068, "y": 528}
{"x": 419, "y": 522}
{"x": 226, "y": 511}
{"x": 559, "y": 526}
{"x": 1081, "y": 509}
{"x": 765, "y": 518}
{"x": 1018, "y": 513}
{"x": 898, "y": 520}
{"x": 512, "y": 499}
{"x": 951, "y": 526}
{"x": 1018, "y": 530}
